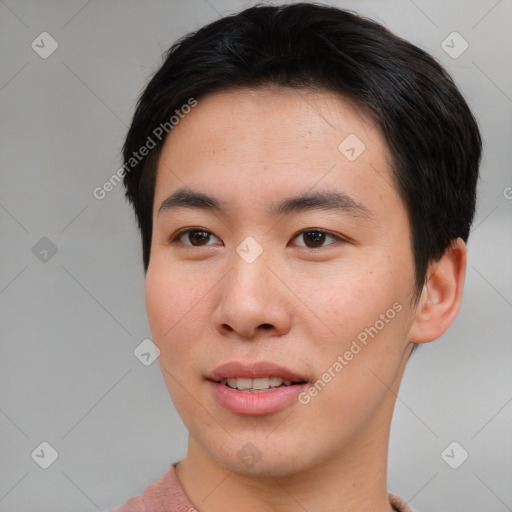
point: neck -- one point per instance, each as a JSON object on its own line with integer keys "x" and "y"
{"x": 351, "y": 479}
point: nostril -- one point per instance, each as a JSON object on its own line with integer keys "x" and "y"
{"x": 266, "y": 326}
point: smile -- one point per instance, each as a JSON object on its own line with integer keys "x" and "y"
{"x": 258, "y": 385}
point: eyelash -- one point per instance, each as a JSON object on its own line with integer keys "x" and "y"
{"x": 180, "y": 233}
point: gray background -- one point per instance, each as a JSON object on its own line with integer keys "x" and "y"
{"x": 70, "y": 323}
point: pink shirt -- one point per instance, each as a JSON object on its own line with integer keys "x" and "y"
{"x": 167, "y": 495}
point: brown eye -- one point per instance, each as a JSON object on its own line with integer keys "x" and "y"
{"x": 196, "y": 237}
{"x": 315, "y": 238}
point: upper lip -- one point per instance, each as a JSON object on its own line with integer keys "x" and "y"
{"x": 253, "y": 371}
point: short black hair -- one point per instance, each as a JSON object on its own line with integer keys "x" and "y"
{"x": 431, "y": 134}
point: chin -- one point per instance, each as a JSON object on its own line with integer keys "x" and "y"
{"x": 265, "y": 468}
{"x": 261, "y": 457}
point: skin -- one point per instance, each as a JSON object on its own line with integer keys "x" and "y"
{"x": 207, "y": 306}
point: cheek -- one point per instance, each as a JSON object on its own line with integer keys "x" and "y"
{"x": 167, "y": 301}
{"x": 160, "y": 304}
{"x": 348, "y": 297}
{"x": 365, "y": 309}
{"x": 177, "y": 306}
{"x": 173, "y": 306}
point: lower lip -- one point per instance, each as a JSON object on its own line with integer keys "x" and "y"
{"x": 264, "y": 402}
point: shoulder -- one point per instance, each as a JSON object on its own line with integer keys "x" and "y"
{"x": 165, "y": 494}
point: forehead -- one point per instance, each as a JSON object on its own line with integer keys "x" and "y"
{"x": 254, "y": 144}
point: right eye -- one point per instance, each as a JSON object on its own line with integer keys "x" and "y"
{"x": 197, "y": 237}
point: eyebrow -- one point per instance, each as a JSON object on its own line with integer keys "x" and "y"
{"x": 321, "y": 200}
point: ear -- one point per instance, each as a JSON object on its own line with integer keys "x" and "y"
{"x": 441, "y": 295}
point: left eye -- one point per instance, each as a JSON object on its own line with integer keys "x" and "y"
{"x": 313, "y": 238}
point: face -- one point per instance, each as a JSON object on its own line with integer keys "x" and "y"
{"x": 320, "y": 287}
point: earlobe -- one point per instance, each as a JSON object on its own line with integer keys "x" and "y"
{"x": 441, "y": 295}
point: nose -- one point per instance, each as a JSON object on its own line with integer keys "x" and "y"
{"x": 253, "y": 302}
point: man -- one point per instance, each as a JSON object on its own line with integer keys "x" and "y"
{"x": 304, "y": 182}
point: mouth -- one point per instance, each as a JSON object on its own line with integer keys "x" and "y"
{"x": 255, "y": 376}
{"x": 256, "y": 388}
{"x": 257, "y": 385}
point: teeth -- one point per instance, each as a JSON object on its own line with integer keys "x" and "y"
{"x": 245, "y": 384}
{"x": 242, "y": 383}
